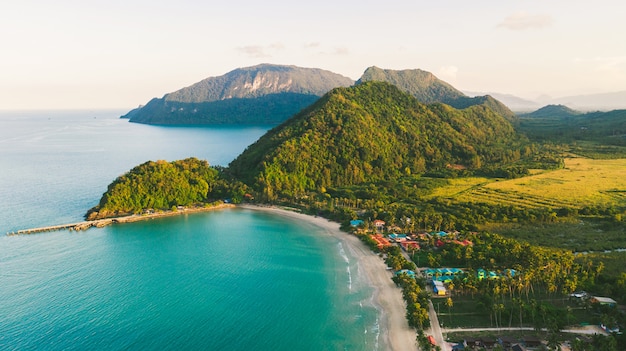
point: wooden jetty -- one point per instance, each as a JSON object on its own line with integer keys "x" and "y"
{"x": 71, "y": 226}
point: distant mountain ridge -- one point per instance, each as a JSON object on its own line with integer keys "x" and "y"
{"x": 427, "y": 88}
{"x": 559, "y": 122}
{"x": 560, "y": 111}
{"x": 262, "y": 94}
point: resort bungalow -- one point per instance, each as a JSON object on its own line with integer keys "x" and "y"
{"x": 379, "y": 225}
{"x": 488, "y": 342}
{"x": 443, "y": 274}
{"x": 397, "y": 237}
{"x": 530, "y": 341}
{"x": 438, "y": 288}
{"x": 603, "y": 301}
{"x": 381, "y": 241}
{"x": 356, "y": 222}
{"x": 408, "y": 272}
{"x": 482, "y": 274}
{"x": 507, "y": 341}
{"x": 409, "y": 245}
{"x": 471, "y": 343}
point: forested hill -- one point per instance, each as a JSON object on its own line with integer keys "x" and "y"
{"x": 262, "y": 94}
{"x": 427, "y": 88}
{"x": 552, "y": 111}
{"x": 369, "y": 132}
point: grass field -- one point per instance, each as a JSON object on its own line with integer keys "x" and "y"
{"x": 457, "y": 186}
{"x": 582, "y": 182}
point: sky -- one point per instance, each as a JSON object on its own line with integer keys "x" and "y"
{"x": 92, "y": 54}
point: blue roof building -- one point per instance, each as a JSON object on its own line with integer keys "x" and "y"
{"x": 356, "y": 222}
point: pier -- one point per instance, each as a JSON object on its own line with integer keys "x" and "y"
{"x": 99, "y": 223}
{"x": 71, "y": 226}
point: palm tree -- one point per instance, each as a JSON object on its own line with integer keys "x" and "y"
{"x": 449, "y": 303}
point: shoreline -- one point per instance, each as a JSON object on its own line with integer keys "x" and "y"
{"x": 395, "y": 332}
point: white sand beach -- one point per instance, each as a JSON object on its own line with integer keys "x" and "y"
{"x": 394, "y": 328}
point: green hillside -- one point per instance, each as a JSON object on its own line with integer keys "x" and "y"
{"x": 162, "y": 185}
{"x": 371, "y": 132}
{"x": 427, "y": 88}
{"x": 552, "y": 111}
{"x": 594, "y": 134}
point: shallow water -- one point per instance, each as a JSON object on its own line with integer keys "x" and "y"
{"x": 231, "y": 279}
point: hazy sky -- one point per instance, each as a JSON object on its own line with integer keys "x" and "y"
{"x": 122, "y": 53}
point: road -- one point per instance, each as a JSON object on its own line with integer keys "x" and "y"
{"x": 588, "y": 330}
{"x": 435, "y": 329}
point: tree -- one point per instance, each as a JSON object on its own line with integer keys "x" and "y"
{"x": 449, "y": 304}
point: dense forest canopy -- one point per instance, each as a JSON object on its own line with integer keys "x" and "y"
{"x": 370, "y": 132}
{"x": 162, "y": 185}
{"x": 427, "y": 88}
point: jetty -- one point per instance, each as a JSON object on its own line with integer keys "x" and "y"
{"x": 99, "y": 223}
{"x": 70, "y": 226}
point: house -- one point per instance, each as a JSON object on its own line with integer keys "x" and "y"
{"x": 471, "y": 343}
{"x": 603, "y": 301}
{"x": 408, "y": 272}
{"x": 356, "y": 222}
{"x": 409, "y": 245}
{"x": 488, "y": 343}
{"x": 438, "y": 288}
{"x": 379, "y": 225}
{"x": 518, "y": 347}
{"x": 459, "y": 346}
{"x": 381, "y": 241}
{"x": 507, "y": 341}
{"x": 530, "y": 341}
{"x": 397, "y": 237}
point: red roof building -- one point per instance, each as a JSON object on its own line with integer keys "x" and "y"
{"x": 410, "y": 245}
{"x": 381, "y": 241}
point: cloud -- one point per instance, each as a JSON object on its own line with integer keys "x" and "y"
{"x": 523, "y": 20}
{"x": 312, "y": 45}
{"x": 258, "y": 51}
{"x": 448, "y": 72}
{"x": 341, "y": 51}
{"x": 253, "y": 51}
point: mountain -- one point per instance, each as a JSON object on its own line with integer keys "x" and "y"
{"x": 594, "y": 102}
{"x": 560, "y": 123}
{"x": 427, "y": 88}
{"x": 369, "y": 132}
{"x": 262, "y": 94}
{"x": 513, "y": 102}
{"x": 559, "y": 111}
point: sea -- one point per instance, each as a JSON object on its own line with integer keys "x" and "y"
{"x": 233, "y": 279}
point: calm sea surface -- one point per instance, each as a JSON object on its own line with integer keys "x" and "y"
{"x": 225, "y": 280}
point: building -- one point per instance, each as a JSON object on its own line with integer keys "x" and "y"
{"x": 409, "y": 245}
{"x": 603, "y": 301}
{"x": 397, "y": 237}
{"x": 379, "y": 225}
{"x": 381, "y": 241}
{"x": 408, "y": 272}
{"x": 356, "y": 222}
{"x": 438, "y": 288}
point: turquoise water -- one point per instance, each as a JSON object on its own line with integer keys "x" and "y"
{"x": 226, "y": 280}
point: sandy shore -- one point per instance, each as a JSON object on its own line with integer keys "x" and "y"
{"x": 395, "y": 332}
